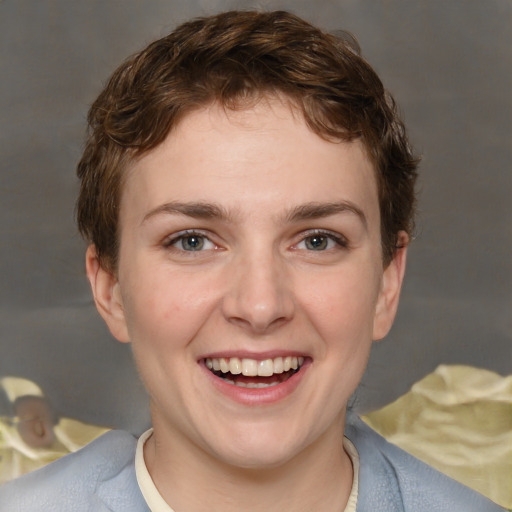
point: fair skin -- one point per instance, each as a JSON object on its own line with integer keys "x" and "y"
{"x": 246, "y": 239}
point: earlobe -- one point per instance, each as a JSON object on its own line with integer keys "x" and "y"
{"x": 392, "y": 279}
{"x": 107, "y": 295}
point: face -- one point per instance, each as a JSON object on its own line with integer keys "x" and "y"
{"x": 250, "y": 283}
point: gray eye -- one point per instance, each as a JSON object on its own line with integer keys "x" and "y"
{"x": 317, "y": 242}
{"x": 192, "y": 243}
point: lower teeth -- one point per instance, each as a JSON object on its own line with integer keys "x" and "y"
{"x": 253, "y": 385}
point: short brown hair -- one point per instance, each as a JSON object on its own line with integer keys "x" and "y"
{"x": 234, "y": 58}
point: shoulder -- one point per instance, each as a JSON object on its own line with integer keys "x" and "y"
{"x": 393, "y": 480}
{"x": 99, "y": 477}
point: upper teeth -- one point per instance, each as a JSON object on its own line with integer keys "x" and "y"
{"x": 254, "y": 367}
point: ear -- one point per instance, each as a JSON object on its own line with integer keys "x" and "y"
{"x": 107, "y": 295}
{"x": 389, "y": 295}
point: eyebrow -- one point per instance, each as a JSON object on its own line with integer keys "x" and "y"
{"x": 198, "y": 210}
{"x": 307, "y": 211}
{"x": 319, "y": 210}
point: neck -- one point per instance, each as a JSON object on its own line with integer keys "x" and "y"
{"x": 318, "y": 478}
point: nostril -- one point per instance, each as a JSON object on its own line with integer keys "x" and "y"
{"x": 259, "y": 324}
{"x": 259, "y": 298}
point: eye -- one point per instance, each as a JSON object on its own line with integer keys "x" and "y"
{"x": 190, "y": 242}
{"x": 321, "y": 241}
{"x": 318, "y": 243}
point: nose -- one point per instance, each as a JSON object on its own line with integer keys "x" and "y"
{"x": 259, "y": 296}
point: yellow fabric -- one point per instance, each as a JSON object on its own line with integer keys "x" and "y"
{"x": 16, "y": 456}
{"x": 458, "y": 419}
{"x": 14, "y": 387}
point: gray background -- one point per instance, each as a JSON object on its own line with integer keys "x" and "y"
{"x": 448, "y": 63}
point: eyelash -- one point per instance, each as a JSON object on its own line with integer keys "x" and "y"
{"x": 169, "y": 242}
{"x": 338, "y": 239}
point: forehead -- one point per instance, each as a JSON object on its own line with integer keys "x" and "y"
{"x": 249, "y": 158}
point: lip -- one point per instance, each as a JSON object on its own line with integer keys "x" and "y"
{"x": 259, "y": 356}
{"x": 257, "y": 396}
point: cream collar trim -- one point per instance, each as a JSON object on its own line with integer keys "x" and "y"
{"x": 156, "y": 503}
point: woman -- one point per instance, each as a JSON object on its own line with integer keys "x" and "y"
{"x": 247, "y": 192}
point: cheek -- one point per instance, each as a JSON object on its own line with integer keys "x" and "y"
{"x": 167, "y": 309}
{"x": 341, "y": 303}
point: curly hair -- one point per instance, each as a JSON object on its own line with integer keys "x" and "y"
{"x": 233, "y": 59}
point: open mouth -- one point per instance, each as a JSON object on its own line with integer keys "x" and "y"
{"x": 253, "y": 373}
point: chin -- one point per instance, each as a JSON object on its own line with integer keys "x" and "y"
{"x": 259, "y": 448}
{"x": 255, "y": 458}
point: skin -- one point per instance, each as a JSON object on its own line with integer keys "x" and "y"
{"x": 35, "y": 421}
{"x": 259, "y": 287}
